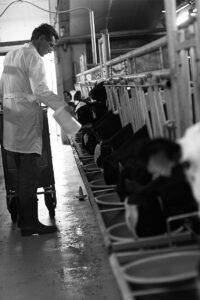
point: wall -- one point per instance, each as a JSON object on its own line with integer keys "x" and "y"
{"x": 20, "y": 19}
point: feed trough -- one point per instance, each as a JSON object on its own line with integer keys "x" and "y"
{"x": 91, "y": 167}
{"x": 108, "y": 200}
{"x": 113, "y": 216}
{"x": 121, "y": 233}
{"x": 164, "y": 269}
{"x": 100, "y": 184}
{"x": 92, "y": 175}
{"x": 87, "y": 160}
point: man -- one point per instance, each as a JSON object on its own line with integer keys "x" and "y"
{"x": 24, "y": 88}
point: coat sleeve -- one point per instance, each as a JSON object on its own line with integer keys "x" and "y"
{"x": 37, "y": 77}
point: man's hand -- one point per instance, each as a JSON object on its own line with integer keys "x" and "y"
{"x": 70, "y": 110}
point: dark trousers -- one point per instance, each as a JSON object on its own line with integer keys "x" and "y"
{"x": 26, "y": 182}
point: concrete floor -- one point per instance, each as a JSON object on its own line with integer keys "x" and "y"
{"x": 71, "y": 264}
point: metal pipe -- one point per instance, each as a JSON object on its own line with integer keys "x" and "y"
{"x": 93, "y": 38}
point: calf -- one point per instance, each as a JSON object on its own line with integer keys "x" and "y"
{"x": 133, "y": 177}
{"x": 168, "y": 194}
{"x": 89, "y": 112}
{"x": 94, "y": 107}
{"x": 128, "y": 149}
{"x": 190, "y": 157}
{"x": 84, "y": 112}
{"x": 107, "y": 126}
{"x": 98, "y": 93}
{"x": 108, "y": 146}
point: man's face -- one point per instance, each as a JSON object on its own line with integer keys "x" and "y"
{"x": 45, "y": 46}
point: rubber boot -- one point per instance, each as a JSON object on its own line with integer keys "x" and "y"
{"x": 29, "y": 221}
{"x": 38, "y": 229}
{"x": 12, "y": 207}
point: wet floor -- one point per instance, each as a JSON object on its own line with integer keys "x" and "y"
{"x": 71, "y": 264}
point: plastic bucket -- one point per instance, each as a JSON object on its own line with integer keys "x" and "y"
{"x": 100, "y": 184}
{"x": 121, "y": 233}
{"x": 168, "y": 268}
{"x": 66, "y": 121}
{"x": 110, "y": 200}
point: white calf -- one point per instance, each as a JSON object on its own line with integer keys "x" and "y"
{"x": 190, "y": 146}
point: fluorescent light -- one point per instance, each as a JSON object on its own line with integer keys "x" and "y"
{"x": 183, "y": 17}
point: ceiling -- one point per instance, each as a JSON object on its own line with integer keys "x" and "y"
{"x": 137, "y": 17}
{"x": 20, "y": 19}
{"x": 117, "y": 15}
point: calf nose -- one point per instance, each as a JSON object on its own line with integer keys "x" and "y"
{"x": 186, "y": 164}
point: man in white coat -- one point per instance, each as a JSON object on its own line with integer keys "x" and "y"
{"x": 24, "y": 88}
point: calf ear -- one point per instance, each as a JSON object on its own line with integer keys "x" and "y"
{"x": 120, "y": 167}
{"x": 131, "y": 218}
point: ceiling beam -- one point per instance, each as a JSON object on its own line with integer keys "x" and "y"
{"x": 85, "y": 38}
{"x": 116, "y": 34}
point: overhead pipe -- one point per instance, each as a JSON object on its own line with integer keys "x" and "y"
{"x": 93, "y": 38}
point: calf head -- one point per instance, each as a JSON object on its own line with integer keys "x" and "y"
{"x": 98, "y": 92}
{"x": 132, "y": 177}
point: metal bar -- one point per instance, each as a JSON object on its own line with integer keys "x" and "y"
{"x": 93, "y": 38}
{"x": 175, "y": 218}
{"x": 141, "y": 50}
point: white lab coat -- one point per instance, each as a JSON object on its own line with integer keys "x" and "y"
{"x": 24, "y": 88}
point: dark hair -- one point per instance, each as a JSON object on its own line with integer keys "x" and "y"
{"x": 68, "y": 93}
{"x": 44, "y": 29}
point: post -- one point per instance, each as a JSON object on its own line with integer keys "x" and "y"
{"x": 93, "y": 37}
{"x": 170, "y": 7}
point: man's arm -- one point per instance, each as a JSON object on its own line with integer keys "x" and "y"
{"x": 37, "y": 76}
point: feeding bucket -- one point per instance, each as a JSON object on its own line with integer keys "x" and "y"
{"x": 91, "y": 167}
{"x": 164, "y": 269}
{"x": 100, "y": 184}
{"x": 120, "y": 232}
{"x": 108, "y": 200}
{"x": 66, "y": 121}
{"x": 113, "y": 216}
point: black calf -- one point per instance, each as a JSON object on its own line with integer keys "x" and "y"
{"x": 169, "y": 194}
{"x": 90, "y": 112}
{"x": 163, "y": 198}
{"x": 129, "y": 149}
{"x": 110, "y": 145}
{"x": 104, "y": 129}
{"x": 85, "y": 114}
{"x": 133, "y": 177}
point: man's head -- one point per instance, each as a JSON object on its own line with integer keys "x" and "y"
{"x": 44, "y": 38}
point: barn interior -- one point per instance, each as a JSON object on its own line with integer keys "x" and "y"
{"x": 136, "y": 66}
